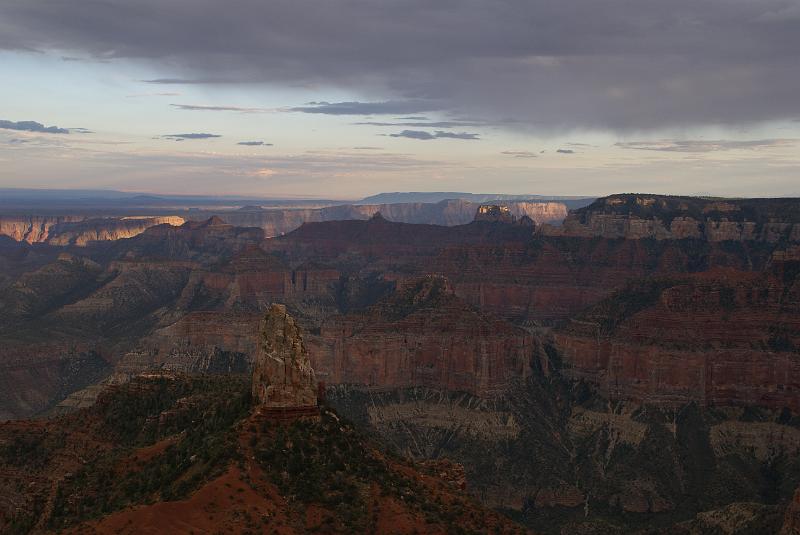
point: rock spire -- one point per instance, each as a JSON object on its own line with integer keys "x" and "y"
{"x": 282, "y": 373}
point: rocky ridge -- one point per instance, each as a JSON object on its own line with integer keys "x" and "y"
{"x": 675, "y": 218}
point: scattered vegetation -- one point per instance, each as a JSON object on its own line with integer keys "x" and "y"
{"x": 201, "y": 411}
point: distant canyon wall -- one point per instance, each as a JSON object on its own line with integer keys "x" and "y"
{"x": 78, "y": 229}
{"x": 676, "y": 218}
{"x": 82, "y": 229}
{"x": 447, "y": 213}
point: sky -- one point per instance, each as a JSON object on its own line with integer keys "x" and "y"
{"x": 348, "y": 98}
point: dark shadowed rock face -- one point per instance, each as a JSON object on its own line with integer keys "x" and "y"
{"x": 282, "y": 373}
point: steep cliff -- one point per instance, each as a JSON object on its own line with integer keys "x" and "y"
{"x": 78, "y": 229}
{"x": 423, "y": 335}
{"x": 34, "y": 228}
{"x": 722, "y": 337}
{"x": 108, "y": 229}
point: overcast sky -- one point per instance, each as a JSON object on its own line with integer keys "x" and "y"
{"x": 341, "y": 99}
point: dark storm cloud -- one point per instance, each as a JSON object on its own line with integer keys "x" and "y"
{"x": 366, "y": 108}
{"x": 565, "y": 151}
{"x": 181, "y": 137}
{"x": 254, "y": 143}
{"x": 32, "y": 126}
{"x": 706, "y": 145}
{"x": 421, "y": 134}
{"x": 608, "y": 64}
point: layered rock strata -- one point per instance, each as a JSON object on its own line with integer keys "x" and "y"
{"x": 676, "y": 218}
{"x": 423, "y": 335}
{"x": 718, "y": 338}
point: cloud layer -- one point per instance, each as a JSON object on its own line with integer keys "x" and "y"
{"x": 423, "y": 135}
{"x": 181, "y": 137}
{"x": 527, "y": 64}
{"x": 706, "y": 145}
{"x": 367, "y": 108}
{"x": 33, "y": 126}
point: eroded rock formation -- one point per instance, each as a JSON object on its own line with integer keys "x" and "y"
{"x": 675, "y": 218}
{"x": 282, "y": 373}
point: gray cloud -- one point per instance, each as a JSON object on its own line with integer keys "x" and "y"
{"x": 706, "y": 145}
{"x": 414, "y": 134}
{"x": 367, "y": 108}
{"x": 457, "y": 135}
{"x": 565, "y": 151}
{"x": 421, "y": 134}
{"x": 601, "y": 64}
{"x": 437, "y": 124}
{"x": 32, "y": 126}
{"x": 519, "y": 153}
{"x": 181, "y": 137}
{"x": 254, "y": 143}
{"x": 189, "y": 81}
{"x": 198, "y": 107}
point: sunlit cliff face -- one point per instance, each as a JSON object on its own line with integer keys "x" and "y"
{"x": 495, "y": 212}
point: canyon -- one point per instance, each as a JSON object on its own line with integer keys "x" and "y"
{"x": 638, "y": 362}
